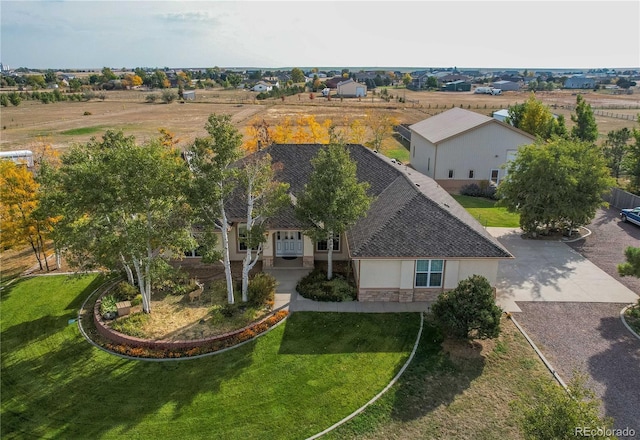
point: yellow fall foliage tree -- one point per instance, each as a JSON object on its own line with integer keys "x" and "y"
{"x": 21, "y": 222}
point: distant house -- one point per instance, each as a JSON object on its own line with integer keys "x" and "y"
{"x": 189, "y": 95}
{"x": 459, "y": 147}
{"x": 351, "y": 89}
{"x": 506, "y": 86}
{"x": 332, "y": 83}
{"x": 457, "y": 86}
{"x": 415, "y": 241}
{"x": 501, "y": 115}
{"x": 579, "y": 82}
{"x": 262, "y": 86}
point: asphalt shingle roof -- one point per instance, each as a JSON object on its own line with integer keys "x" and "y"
{"x": 411, "y": 215}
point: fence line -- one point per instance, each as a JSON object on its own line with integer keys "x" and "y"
{"x": 620, "y": 199}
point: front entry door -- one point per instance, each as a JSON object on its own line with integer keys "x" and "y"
{"x": 288, "y": 243}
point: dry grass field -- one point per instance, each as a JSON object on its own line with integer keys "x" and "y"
{"x": 64, "y": 123}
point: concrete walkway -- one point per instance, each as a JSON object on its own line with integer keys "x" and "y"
{"x": 288, "y": 298}
{"x": 550, "y": 271}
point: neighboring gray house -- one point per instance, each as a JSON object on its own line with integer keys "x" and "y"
{"x": 351, "y": 89}
{"x": 506, "y": 86}
{"x": 579, "y": 82}
{"x": 414, "y": 242}
{"x": 459, "y": 147}
{"x": 189, "y": 95}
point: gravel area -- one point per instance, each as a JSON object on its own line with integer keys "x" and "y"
{"x": 607, "y": 242}
{"x": 590, "y": 337}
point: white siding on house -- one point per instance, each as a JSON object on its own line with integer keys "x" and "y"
{"x": 423, "y": 154}
{"x": 482, "y": 150}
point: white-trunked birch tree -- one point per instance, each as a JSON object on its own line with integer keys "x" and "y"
{"x": 264, "y": 196}
{"x": 212, "y": 163}
{"x": 123, "y": 206}
{"x": 333, "y": 199}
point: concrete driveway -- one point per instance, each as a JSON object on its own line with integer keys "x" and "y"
{"x": 550, "y": 271}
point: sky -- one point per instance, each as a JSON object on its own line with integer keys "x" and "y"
{"x": 278, "y": 34}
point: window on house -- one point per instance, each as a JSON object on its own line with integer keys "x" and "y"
{"x": 428, "y": 164}
{"x": 450, "y": 174}
{"x": 322, "y": 244}
{"x": 242, "y": 237}
{"x": 429, "y": 273}
{"x": 471, "y": 174}
{"x": 494, "y": 176}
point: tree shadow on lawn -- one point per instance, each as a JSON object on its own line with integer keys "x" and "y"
{"x": 74, "y": 390}
{"x": 43, "y": 327}
{"x": 332, "y": 333}
{"x": 617, "y": 369}
{"x": 440, "y": 371}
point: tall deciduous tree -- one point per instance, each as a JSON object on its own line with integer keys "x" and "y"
{"x": 212, "y": 160}
{"x": 123, "y": 206}
{"x": 381, "y": 126}
{"x": 297, "y": 76}
{"x": 615, "y": 150}
{"x": 263, "y": 195}
{"x": 23, "y": 221}
{"x": 631, "y": 162}
{"x": 536, "y": 118}
{"x": 586, "y": 128}
{"x": 333, "y": 199}
{"x": 558, "y": 184}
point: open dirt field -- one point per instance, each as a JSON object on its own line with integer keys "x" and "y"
{"x": 64, "y": 123}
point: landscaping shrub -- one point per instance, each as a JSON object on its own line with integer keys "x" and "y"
{"x": 316, "y": 286}
{"x": 124, "y": 291}
{"x": 469, "y": 311}
{"x": 172, "y": 280}
{"x": 552, "y": 414}
{"x": 483, "y": 189}
{"x": 262, "y": 289}
{"x": 131, "y": 325}
{"x": 108, "y": 304}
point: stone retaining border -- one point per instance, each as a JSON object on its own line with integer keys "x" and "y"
{"x": 130, "y": 341}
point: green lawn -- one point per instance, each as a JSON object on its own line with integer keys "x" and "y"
{"x": 489, "y": 215}
{"x": 293, "y": 382}
{"x": 82, "y": 131}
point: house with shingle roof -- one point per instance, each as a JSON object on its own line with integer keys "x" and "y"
{"x": 459, "y": 147}
{"x": 414, "y": 242}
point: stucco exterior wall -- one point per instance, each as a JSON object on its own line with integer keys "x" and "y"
{"x": 393, "y": 280}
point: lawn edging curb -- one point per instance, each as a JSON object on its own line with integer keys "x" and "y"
{"x": 624, "y": 321}
{"x": 381, "y": 393}
{"x": 107, "y": 333}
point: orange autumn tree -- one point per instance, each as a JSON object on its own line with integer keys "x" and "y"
{"x": 306, "y": 130}
{"x": 381, "y": 125}
{"x": 22, "y": 222}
